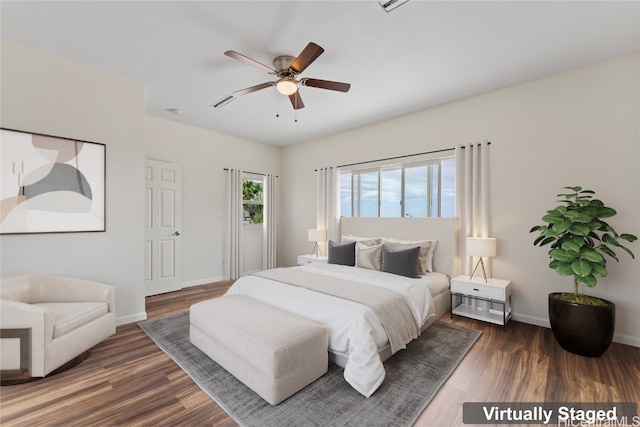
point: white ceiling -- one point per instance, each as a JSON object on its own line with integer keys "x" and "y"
{"x": 422, "y": 54}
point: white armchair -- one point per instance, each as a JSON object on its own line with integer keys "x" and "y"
{"x": 59, "y": 317}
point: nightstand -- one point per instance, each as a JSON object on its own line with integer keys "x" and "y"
{"x": 308, "y": 259}
{"x": 487, "y": 301}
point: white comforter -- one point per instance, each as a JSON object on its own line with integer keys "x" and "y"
{"x": 354, "y": 329}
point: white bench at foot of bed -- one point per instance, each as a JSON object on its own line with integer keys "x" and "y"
{"x": 273, "y": 352}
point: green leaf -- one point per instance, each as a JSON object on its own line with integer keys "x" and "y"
{"x": 561, "y": 227}
{"x": 562, "y": 255}
{"x": 607, "y": 250}
{"x": 607, "y": 238}
{"x": 589, "y": 280}
{"x": 578, "y": 217}
{"x": 592, "y": 236}
{"x": 543, "y": 240}
{"x": 581, "y": 268}
{"x": 628, "y": 237}
{"x": 587, "y": 192}
{"x": 574, "y": 189}
{"x": 553, "y": 217}
{"x": 592, "y": 256}
{"x": 627, "y": 250}
{"x": 579, "y": 230}
{"x": 572, "y": 246}
{"x": 595, "y": 225}
{"x": 599, "y": 270}
{"x": 604, "y": 212}
{"x": 536, "y": 228}
{"x": 547, "y": 240}
{"x": 563, "y": 269}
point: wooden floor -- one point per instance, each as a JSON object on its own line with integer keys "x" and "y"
{"x": 128, "y": 381}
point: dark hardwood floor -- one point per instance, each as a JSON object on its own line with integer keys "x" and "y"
{"x": 129, "y": 381}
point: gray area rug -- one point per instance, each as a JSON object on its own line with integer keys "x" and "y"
{"x": 414, "y": 375}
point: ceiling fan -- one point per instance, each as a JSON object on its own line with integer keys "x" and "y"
{"x": 287, "y": 69}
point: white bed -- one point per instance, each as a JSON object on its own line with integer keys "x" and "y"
{"x": 357, "y": 340}
{"x": 446, "y": 259}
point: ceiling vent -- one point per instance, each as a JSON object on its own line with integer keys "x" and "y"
{"x": 389, "y": 5}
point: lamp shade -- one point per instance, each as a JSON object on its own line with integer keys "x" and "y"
{"x": 317, "y": 235}
{"x": 481, "y": 246}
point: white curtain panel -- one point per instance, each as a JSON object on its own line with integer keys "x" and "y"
{"x": 472, "y": 198}
{"x": 328, "y": 206}
{"x": 233, "y": 236}
{"x": 269, "y": 226}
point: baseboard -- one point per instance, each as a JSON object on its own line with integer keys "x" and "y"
{"x": 626, "y": 339}
{"x": 619, "y": 338}
{"x": 531, "y": 320}
{"x": 202, "y": 281}
{"x": 131, "y": 318}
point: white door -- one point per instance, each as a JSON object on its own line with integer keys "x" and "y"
{"x": 162, "y": 240}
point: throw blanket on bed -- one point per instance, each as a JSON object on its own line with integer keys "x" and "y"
{"x": 390, "y": 307}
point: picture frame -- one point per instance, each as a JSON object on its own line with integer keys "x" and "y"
{"x": 51, "y": 184}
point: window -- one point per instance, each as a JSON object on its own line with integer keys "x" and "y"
{"x": 252, "y": 203}
{"x": 417, "y": 189}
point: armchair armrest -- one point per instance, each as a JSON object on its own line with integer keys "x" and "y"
{"x": 70, "y": 289}
{"x": 15, "y": 315}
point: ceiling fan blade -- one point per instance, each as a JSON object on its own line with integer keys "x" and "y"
{"x": 326, "y": 84}
{"x": 306, "y": 57}
{"x": 296, "y": 100}
{"x": 240, "y": 57}
{"x": 253, "y": 88}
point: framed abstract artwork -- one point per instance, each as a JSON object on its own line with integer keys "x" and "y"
{"x": 50, "y": 184}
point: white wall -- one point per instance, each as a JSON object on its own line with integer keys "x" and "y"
{"x": 204, "y": 155}
{"x": 575, "y": 128}
{"x": 46, "y": 94}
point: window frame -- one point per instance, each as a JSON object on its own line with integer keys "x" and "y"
{"x": 260, "y": 202}
{"x": 430, "y": 164}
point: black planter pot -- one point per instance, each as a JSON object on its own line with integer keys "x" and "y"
{"x": 582, "y": 329}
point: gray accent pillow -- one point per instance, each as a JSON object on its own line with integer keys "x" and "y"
{"x": 401, "y": 262}
{"x": 425, "y": 258}
{"x": 342, "y": 254}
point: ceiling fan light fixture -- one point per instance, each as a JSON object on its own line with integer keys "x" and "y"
{"x": 287, "y": 86}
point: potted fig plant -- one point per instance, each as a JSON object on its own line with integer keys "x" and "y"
{"x": 580, "y": 243}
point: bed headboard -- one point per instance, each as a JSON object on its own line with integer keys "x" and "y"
{"x": 446, "y": 258}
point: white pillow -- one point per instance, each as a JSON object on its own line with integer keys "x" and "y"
{"x": 369, "y": 256}
{"x": 427, "y": 248}
{"x": 369, "y": 241}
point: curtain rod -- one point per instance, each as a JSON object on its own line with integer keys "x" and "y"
{"x": 395, "y": 158}
{"x": 253, "y": 173}
{"x": 402, "y": 157}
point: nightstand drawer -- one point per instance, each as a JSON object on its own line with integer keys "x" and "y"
{"x": 481, "y": 290}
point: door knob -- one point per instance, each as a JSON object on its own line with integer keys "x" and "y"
{"x": 177, "y": 233}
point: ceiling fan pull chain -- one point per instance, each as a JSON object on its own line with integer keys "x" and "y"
{"x": 277, "y": 105}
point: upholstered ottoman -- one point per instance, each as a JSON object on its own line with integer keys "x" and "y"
{"x": 273, "y": 352}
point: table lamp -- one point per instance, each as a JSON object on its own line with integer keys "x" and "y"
{"x": 481, "y": 247}
{"x": 316, "y": 236}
